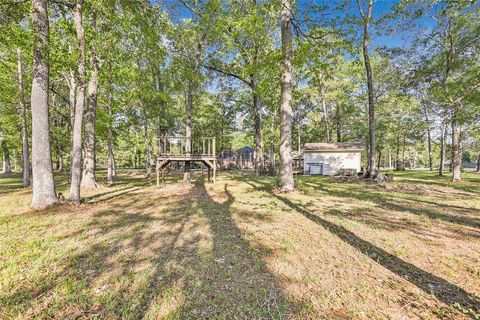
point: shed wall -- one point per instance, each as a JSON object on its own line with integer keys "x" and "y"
{"x": 333, "y": 161}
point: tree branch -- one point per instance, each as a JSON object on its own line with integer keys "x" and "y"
{"x": 7, "y": 66}
{"x": 190, "y": 8}
{"x": 61, "y": 96}
{"x": 227, "y": 73}
{"x": 64, "y": 3}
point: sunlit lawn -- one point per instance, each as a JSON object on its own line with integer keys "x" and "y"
{"x": 242, "y": 250}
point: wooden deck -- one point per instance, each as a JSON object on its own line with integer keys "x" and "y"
{"x": 183, "y": 149}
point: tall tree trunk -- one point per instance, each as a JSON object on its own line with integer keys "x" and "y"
{"x": 325, "y": 114}
{"x": 257, "y": 110}
{"x": 272, "y": 144}
{"x": 299, "y": 139}
{"x": 7, "y": 168}
{"x": 136, "y": 150}
{"x": 114, "y": 173}
{"x": 371, "y": 100}
{"x": 59, "y": 158}
{"x": 188, "y": 130}
{"x": 43, "y": 187}
{"x": 159, "y": 136}
{"x": 148, "y": 143}
{"x": 192, "y": 86}
{"x": 286, "y": 172}
{"x": 397, "y": 155}
{"x": 259, "y": 161}
{"x": 456, "y": 152}
{"x": 72, "y": 91}
{"x": 430, "y": 156}
{"x": 76, "y": 166}
{"x": 88, "y": 179}
{"x": 111, "y": 163}
{"x": 478, "y": 162}
{"x": 389, "y": 158}
{"x": 443, "y": 135}
{"x": 23, "y": 114}
{"x": 338, "y": 121}
{"x": 379, "y": 158}
{"x": 159, "y": 119}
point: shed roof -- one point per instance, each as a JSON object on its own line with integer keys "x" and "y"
{"x": 338, "y": 147}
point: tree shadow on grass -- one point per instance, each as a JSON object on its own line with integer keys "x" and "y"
{"x": 468, "y": 183}
{"x": 188, "y": 260}
{"x": 443, "y": 290}
{"x": 392, "y": 203}
{"x": 386, "y": 221}
{"x": 10, "y": 183}
{"x": 108, "y": 195}
{"x": 238, "y": 281}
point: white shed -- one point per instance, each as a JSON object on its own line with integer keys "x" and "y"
{"x": 329, "y": 158}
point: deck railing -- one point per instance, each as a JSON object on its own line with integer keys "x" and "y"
{"x": 183, "y": 146}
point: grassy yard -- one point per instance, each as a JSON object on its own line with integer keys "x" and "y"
{"x": 240, "y": 250}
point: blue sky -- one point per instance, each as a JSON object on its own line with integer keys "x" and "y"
{"x": 381, "y": 35}
{"x": 381, "y": 7}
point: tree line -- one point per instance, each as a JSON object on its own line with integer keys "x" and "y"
{"x": 108, "y": 78}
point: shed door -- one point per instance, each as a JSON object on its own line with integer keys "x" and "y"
{"x": 315, "y": 168}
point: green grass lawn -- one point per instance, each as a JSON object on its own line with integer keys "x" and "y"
{"x": 409, "y": 249}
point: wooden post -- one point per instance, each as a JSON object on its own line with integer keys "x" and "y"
{"x": 213, "y": 148}
{"x": 203, "y": 150}
{"x": 214, "y": 169}
{"x": 158, "y": 175}
{"x": 209, "y": 173}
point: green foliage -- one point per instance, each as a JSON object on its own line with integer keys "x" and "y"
{"x": 228, "y": 50}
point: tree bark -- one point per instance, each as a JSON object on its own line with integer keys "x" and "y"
{"x": 338, "y": 123}
{"x": 148, "y": 143}
{"x": 379, "y": 158}
{"x": 259, "y": 164}
{"x": 72, "y": 90}
{"x": 59, "y": 158}
{"x": 299, "y": 138}
{"x": 286, "y": 172}
{"x": 371, "y": 100}
{"x": 389, "y": 158}
{"x": 111, "y": 163}
{"x": 478, "y": 162}
{"x": 7, "y": 168}
{"x": 159, "y": 136}
{"x": 136, "y": 149}
{"x": 76, "y": 165}
{"x": 325, "y": 114}
{"x": 88, "y": 179}
{"x": 397, "y": 155}
{"x": 272, "y": 145}
{"x": 430, "y": 156}
{"x": 442, "y": 148}
{"x": 456, "y": 152}
{"x": 23, "y": 114}
{"x": 188, "y": 130}
{"x": 43, "y": 187}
